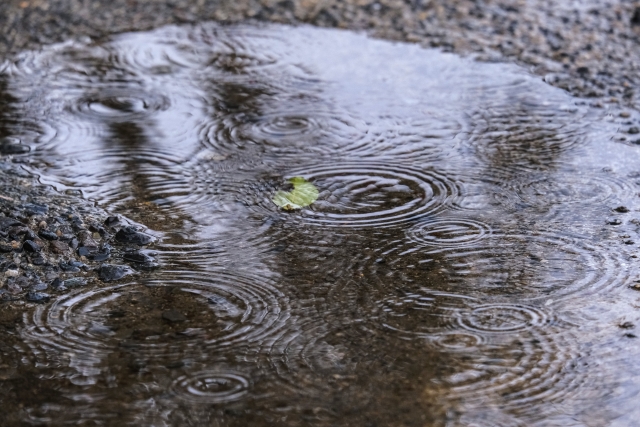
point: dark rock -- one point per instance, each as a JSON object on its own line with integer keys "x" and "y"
{"x": 629, "y": 242}
{"x": 70, "y": 267}
{"x": 583, "y": 70}
{"x": 39, "y": 286}
{"x": 614, "y": 221}
{"x": 621, "y": 209}
{"x": 102, "y": 254}
{"x": 633, "y": 130}
{"x": 99, "y": 256}
{"x": 173, "y": 316}
{"x": 57, "y": 284}
{"x": 111, "y": 221}
{"x": 5, "y": 247}
{"x": 38, "y": 259}
{"x": 36, "y": 209}
{"x": 31, "y": 246}
{"x": 6, "y": 222}
{"x": 635, "y": 19}
{"x": 37, "y": 297}
{"x": 48, "y": 235}
{"x": 110, "y": 272}
{"x": 12, "y": 146}
{"x": 129, "y": 234}
{"x": 140, "y": 256}
{"x": 86, "y": 251}
{"x": 74, "y": 282}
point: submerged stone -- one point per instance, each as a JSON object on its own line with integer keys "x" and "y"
{"x": 110, "y": 272}
{"x": 130, "y": 234}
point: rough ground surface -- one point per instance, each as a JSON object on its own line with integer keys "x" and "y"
{"x": 51, "y": 242}
{"x": 588, "y": 47}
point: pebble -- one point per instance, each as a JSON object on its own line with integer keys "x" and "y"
{"x": 11, "y": 273}
{"x": 5, "y": 223}
{"x": 130, "y": 234}
{"x": 37, "y": 297}
{"x": 59, "y": 247}
{"x": 48, "y": 235}
{"x": 31, "y": 246}
{"x": 173, "y": 316}
{"x": 110, "y": 272}
{"x": 621, "y": 209}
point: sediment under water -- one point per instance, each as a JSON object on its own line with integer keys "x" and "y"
{"x": 457, "y": 268}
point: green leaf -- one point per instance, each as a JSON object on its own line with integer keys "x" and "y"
{"x": 303, "y": 194}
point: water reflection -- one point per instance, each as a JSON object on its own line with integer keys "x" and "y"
{"x": 446, "y": 275}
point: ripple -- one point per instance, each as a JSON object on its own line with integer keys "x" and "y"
{"x": 124, "y": 104}
{"x": 458, "y": 341}
{"x": 449, "y": 232}
{"x": 527, "y": 134}
{"x": 537, "y": 266}
{"x": 422, "y": 313}
{"x": 574, "y": 188}
{"x": 181, "y": 315}
{"x": 284, "y": 133}
{"x": 503, "y": 318}
{"x": 368, "y": 194}
{"x": 211, "y": 387}
{"x": 518, "y": 372}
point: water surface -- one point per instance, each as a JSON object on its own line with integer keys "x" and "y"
{"x": 457, "y": 269}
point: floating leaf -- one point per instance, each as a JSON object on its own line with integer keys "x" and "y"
{"x": 303, "y": 194}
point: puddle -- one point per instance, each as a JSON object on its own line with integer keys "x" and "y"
{"x": 460, "y": 266}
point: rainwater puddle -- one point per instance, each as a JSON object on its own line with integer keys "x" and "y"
{"x": 457, "y": 268}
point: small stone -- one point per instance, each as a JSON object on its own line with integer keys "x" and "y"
{"x": 141, "y": 259}
{"x": 5, "y": 223}
{"x": 59, "y": 247}
{"x": 14, "y": 288}
{"x": 42, "y": 224}
{"x": 48, "y": 235}
{"x": 173, "y": 316}
{"x": 75, "y": 282}
{"x": 635, "y": 19}
{"x": 37, "y": 297}
{"x": 621, "y": 209}
{"x": 11, "y": 273}
{"x": 633, "y": 130}
{"x": 38, "y": 259}
{"x": 129, "y": 234}
{"x": 625, "y": 115}
{"x": 111, "y": 221}
{"x": 31, "y": 246}
{"x": 110, "y": 272}
{"x": 36, "y": 209}
{"x": 84, "y": 250}
{"x": 626, "y": 325}
{"x": 70, "y": 267}
{"x": 614, "y": 221}
{"x": 5, "y": 247}
{"x": 39, "y": 286}
{"x": 635, "y": 286}
{"x": 628, "y": 242}
{"x": 57, "y": 284}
